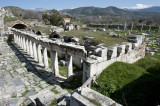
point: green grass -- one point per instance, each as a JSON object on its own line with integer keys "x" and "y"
{"x": 40, "y": 86}
{"x": 75, "y": 83}
{"x": 54, "y": 102}
{"x": 24, "y": 93}
{"x": 9, "y": 19}
{"x": 69, "y": 90}
{"x": 45, "y": 29}
{"x": 99, "y": 37}
{"x": 132, "y": 84}
{"x": 14, "y": 96}
{"x": 63, "y": 70}
{"x": 54, "y": 90}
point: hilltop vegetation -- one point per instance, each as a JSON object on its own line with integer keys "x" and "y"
{"x": 108, "y": 11}
{"x": 111, "y": 15}
{"x": 26, "y": 14}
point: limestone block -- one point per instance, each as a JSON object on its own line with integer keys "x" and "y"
{"x": 78, "y": 100}
{"x": 74, "y": 39}
{"x": 112, "y": 53}
{"x": 62, "y": 62}
{"x": 119, "y": 51}
{"x": 152, "y": 53}
{"x": 99, "y": 98}
{"x": 102, "y": 52}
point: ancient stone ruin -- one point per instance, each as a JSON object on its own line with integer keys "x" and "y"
{"x": 93, "y": 65}
{"x": 92, "y": 59}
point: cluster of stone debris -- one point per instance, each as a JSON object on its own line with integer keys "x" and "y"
{"x": 153, "y": 45}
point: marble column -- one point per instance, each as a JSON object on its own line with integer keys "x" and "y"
{"x": 24, "y": 43}
{"x": 15, "y": 38}
{"x": 31, "y": 48}
{"x": 39, "y": 54}
{"x": 69, "y": 67}
{"x": 27, "y": 45}
{"x": 54, "y": 63}
{"x": 21, "y": 44}
{"x": 35, "y": 51}
{"x": 18, "y": 40}
{"x": 45, "y": 58}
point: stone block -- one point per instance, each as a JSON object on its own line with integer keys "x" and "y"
{"x": 78, "y": 100}
{"x": 30, "y": 93}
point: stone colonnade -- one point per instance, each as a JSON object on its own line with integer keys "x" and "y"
{"x": 33, "y": 49}
{"x": 37, "y": 47}
{"x": 37, "y": 50}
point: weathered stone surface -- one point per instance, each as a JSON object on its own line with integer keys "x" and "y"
{"x": 74, "y": 39}
{"x": 30, "y": 93}
{"x": 152, "y": 53}
{"x": 16, "y": 79}
{"x": 62, "y": 63}
{"x": 78, "y": 100}
{"x": 18, "y": 82}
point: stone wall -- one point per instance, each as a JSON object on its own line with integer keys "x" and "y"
{"x": 78, "y": 100}
{"x": 85, "y": 97}
{"x": 127, "y": 52}
{"x": 2, "y": 14}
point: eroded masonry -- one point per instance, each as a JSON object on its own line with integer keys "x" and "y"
{"x": 93, "y": 64}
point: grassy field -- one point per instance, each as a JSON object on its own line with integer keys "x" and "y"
{"x": 135, "y": 84}
{"x": 99, "y": 36}
{"x": 9, "y": 19}
{"x": 45, "y": 29}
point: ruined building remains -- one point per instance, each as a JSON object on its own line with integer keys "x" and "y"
{"x": 93, "y": 65}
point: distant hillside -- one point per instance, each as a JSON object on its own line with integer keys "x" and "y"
{"x": 38, "y": 9}
{"x": 108, "y": 11}
{"x": 18, "y": 12}
{"x": 151, "y": 9}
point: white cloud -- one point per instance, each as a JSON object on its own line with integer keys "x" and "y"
{"x": 139, "y": 6}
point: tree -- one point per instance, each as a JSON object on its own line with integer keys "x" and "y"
{"x": 140, "y": 20}
{"x": 53, "y": 17}
{"x": 45, "y": 18}
{"x": 149, "y": 22}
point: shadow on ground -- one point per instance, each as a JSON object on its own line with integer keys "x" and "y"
{"x": 38, "y": 70}
{"x": 33, "y": 66}
{"x": 145, "y": 91}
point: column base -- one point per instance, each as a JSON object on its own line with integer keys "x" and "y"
{"x": 70, "y": 78}
{"x": 41, "y": 64}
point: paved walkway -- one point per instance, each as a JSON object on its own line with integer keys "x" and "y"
{"x": 21, "y": 82}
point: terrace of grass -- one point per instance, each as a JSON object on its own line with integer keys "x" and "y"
{"x": 132, "y": 84}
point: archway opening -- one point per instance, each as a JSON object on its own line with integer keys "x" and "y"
{"x": 19, "y": 26}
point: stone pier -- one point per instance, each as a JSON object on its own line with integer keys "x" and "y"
{"x": 54, "y": 63}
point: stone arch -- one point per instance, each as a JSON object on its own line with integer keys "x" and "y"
{"x": 19, "y": 26}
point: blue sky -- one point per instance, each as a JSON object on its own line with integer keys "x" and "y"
{"x": 64, "y": 4}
